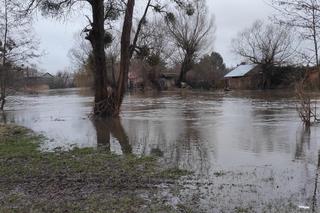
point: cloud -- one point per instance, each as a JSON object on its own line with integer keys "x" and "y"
{"x": 233, "y": 16}
{"x": 57, "y": 37}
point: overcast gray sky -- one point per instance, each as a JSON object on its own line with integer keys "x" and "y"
{"x": 231, "y": 16}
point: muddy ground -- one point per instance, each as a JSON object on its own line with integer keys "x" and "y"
{"x": 81, "y": 180}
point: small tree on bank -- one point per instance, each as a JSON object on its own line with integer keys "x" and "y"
{"x": 306, "y": 108}
{"x": 17, "y": 42}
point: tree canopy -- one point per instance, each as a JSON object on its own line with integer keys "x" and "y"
{"x": 266, "y": 44}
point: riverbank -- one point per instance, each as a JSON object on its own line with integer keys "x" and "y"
{"x": 89, "y": 180}
{"x": 81, "y": 180}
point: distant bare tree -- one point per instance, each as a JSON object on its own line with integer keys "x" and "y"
{"x": 63, "y": 79}
{"x": 192, "y": 32}
{"x": 305, "y": 16}
{"x": 81, "y": 58}
{"x": 154, "y": 44}
{"x": 266, "y": 44}
{"x": 17, "y": 42}
{"x": 80, "y": 52}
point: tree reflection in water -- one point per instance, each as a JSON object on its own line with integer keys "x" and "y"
{"x": 303, "y": 148}
{"x": 105, "y": 128}
{"x": 303, "y": 144}
{"x": 314, "y": 198}
{"x": 3, "y": 117}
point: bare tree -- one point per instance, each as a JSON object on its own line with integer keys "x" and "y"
{"x": 63, "y": 79}
{"x": 268, "y": 45}
{"x": 108, "y": 96}
{"x": 81, "y": 57}
{"x": 192, "y": 33}
{"x": 80, "y": 52}
{"x": 265, "y": 44}
{"x": 305, "y": 16}
{"x": 104, "y": 13}
{"x": 17, "y": 42}
{"x": 154, "y": 45}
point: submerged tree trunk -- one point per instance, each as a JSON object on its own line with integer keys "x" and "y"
{"x": 2, "y": 99}
{"x": 108, "y": 94}
{"x": 125, "y": 52}
{"x": 105, "y": 93}
{"x": 4, "y": 71}
{"x": 2, "y": 88}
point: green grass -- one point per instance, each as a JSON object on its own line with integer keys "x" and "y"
{"x": 81, "y": 180}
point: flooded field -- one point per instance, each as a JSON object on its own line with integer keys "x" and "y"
{"x": 248, "y": 150}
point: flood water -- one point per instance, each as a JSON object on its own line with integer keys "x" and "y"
{"x": 249, "y": 144}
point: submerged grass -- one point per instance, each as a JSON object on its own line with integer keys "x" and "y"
{"x": 81, "y": 180}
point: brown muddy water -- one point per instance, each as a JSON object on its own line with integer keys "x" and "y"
{"x": 248, "y": 150}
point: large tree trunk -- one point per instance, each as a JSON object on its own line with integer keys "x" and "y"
{"x": 185, "y": 67}
{"x": 2, "y": 99}
{"x": 105, "y": 93}
{"x": 2, "y": 88}
{"x": 4, "y": 69}
{"x": 125, "y": 52}
{"x": 3, "y": 84}
{"x": 108, "y": 96}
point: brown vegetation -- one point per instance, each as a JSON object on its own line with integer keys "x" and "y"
{"x": 307, "y": 108}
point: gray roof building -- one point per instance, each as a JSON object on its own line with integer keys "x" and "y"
{"x": 241, "y": 71}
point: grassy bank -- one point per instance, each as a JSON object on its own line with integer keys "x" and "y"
{"x": 82, "y": 180}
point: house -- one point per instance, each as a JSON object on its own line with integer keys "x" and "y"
{"x": 137, "y": 74}
{"x": 313, "y": 78}
{"x": 247, "y": 76}
{"x": 47, "y": 76}
{"x": 34, "y": 80}
{"x": 167, "y": 80}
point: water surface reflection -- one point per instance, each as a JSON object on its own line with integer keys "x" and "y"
{"x": 188, "y": 128}
{"x": 107, "y": 128}
{"x": 258, "y": 134}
